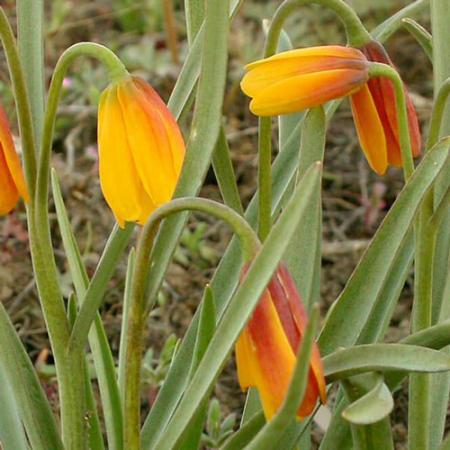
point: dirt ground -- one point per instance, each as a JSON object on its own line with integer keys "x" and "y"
{"x": 354, "y": 199}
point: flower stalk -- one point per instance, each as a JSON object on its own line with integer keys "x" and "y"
{"x": 137, "y": 310}
{"x": 383, "y": 70}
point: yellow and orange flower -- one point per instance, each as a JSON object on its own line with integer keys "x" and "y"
{"x": 141, "y": 150}
{"x": 375, "y": 113}
{"x": 266, "y": 349}
{"x": 303, "y": 78}
{"x": 12, "y": 181}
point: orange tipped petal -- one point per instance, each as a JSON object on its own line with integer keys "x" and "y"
{"x": 370, "y": 130}
{"x": 384, "y": 97}
{"x": 9, "y": 194}
{"x": 266, "y": 350}
{"x": 306, "y": 91}
{"x": 12, "y": 180}
{"x": 141, "y": 150}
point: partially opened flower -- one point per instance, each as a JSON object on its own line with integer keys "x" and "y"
{"x": 12, "y": 181}
{"x": 266, "y": 350}
{"x": 141, "y": 150}
{"x": 303, "y": 78}
{"x": 376, "y": 117}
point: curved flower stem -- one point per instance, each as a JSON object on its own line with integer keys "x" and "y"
{"x": 383, "y": 70}
{"x": 21, "y": 99}
{"x": 137, "y": 312}
{"x": 69, "y": 366}
{"x": 116, "y": 70}
{"x": 357, "y": 36}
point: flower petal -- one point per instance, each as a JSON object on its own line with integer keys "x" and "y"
{"x": 119, "y": 179}
{"x": 9, "y": 194}
{"x": 306, "y": 91}
{"x": 12, "y": 160}
{"x": 370, "y": 130}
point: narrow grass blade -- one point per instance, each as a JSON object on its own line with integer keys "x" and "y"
{"x": 303, "y": 254}
{"x": 421, "y": 35}
{"x": 31, "y": 401}
{"x": 103, "y": 360}
{"x": 383, "y": 357}
{"x": 12, "y": 434}
{"x": 349, "y": 314}
{"x": 124, "y": 325}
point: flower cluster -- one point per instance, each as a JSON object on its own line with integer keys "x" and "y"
{"x": 299, "y": 79}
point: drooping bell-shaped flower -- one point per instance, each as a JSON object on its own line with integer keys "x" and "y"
{"x": 376, "y": 117}
{"x": 141, "y": 150}
{"x": 303, "y": 78}
{"x": 266, "y": 349}
{"x": 12, "y": 181}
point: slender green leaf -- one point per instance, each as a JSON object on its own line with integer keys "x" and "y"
{"x": 195, "y": 12}
{"x": 381, "y": 314}
{"x": 349, "y": 314}
{"x": 240, "y": 308}
{"x": 191, "y": 69}
{"x": 383, "y": 357}
{"x": 374, "y": 400}
{"x": 12, "y": 434}
{"x": 268, "y": 438}
{"x": 226, "y": 178}
{"x": 124, "y": 326}
{"x": 31, "y": 401}
{"x": 421, "y": 35}
{"x": 207, "y": 326}
{"x": 303, "y": 254}
{"x": 384, "y": 31}
{"x": 103, "y": 360}
{"x": 436, "y": 337}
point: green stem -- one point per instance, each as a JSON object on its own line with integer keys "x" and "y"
{"x": 437, "y": 115}
{"x": 116, "y": 70}
{"x": 383, "y": 70}
{"x": 70, "y": 375}
{"x": 21, "y": 99}
{"x": 265, "y": 177}
{"x": 137, "y": 313}
{"x": 30, "y": 26}
{"x": 357, "y": 35}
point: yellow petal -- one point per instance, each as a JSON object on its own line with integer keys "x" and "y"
{"x": 119, "y": 179}
{"x": 325, "y": 51}
{"x": 370, "y": 130}
{"x": 150, "y": 142}
{"x": 305, "y": 91}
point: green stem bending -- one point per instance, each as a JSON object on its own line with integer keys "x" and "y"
{"x": 357, "y": 35}
{"x": 384, "y": 70}
{"x": 22, "y": 101}
{"x": 137, "y": 312}
{"x": 116, "y": 70}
